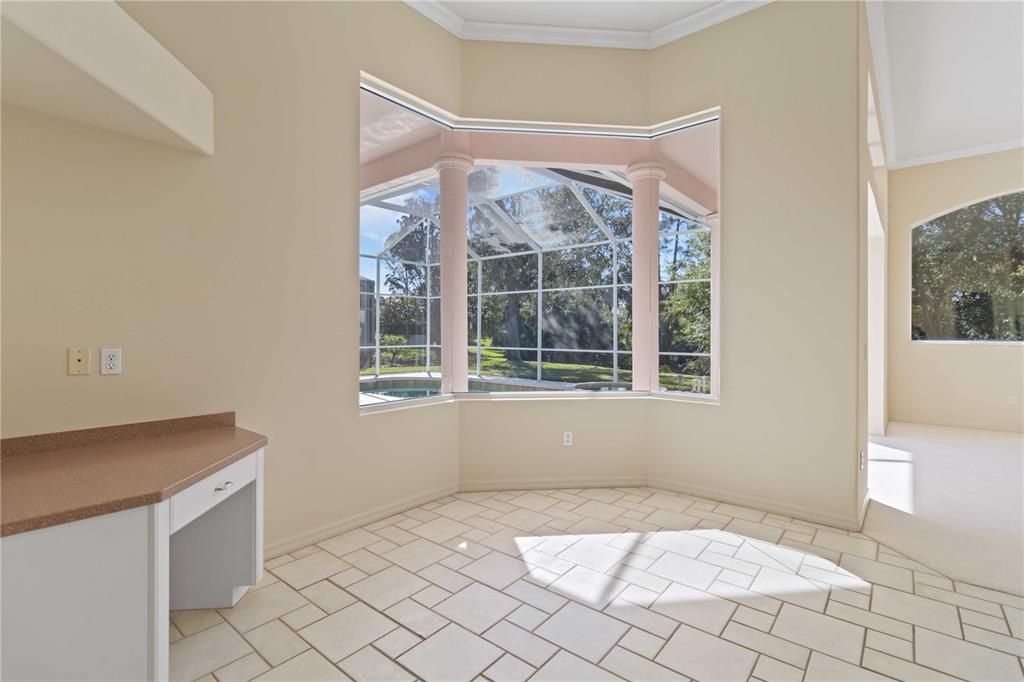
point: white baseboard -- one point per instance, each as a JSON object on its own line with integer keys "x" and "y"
{"x": 763, "y": 504}
{"x": 862, "y": 512}
{"x": 329, "y": 530}
{"x": 484, "y": 485}
{"x": 333, "y": 528}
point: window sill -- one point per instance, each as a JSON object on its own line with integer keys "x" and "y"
{"x": 522, "y": 396}
{"x": 953, "y": 342}
{"x": 406, "y": 404}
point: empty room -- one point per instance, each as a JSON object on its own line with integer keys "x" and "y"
{"x": 505, "y": 340}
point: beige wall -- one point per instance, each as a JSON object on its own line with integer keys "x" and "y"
{"x": 510, "y": 443}
{"x": 951, "y": 384}
{"x": 228, "y": 280}
{"x": 556, "y": 83}
{"x": 786, "y": 433}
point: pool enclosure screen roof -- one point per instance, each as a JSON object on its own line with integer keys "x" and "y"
{"x": 514, "y": 209}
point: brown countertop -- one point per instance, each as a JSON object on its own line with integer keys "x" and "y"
{"x": 56, "y": 478}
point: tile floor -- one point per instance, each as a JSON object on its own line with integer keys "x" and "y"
{"x": 596, "y": 584}
{"x": 934, "y": 487}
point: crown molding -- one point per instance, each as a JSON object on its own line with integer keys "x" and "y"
{"x": 582, "y": 37}
{"x": 439, "y": 14}
{"x": 954, "y": 154}
{"x": 556, "y": 35}
{"x": 702, "y": 19}
{"x": 883, "y": 78}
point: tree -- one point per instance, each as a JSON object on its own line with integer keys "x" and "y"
{"x": 967, "y": 274}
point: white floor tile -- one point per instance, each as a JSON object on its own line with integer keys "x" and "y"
{"x": 629, "y": 666}
{"x": 342, "y": 634}
{"x": 589, "y": 587}
{"x": 521, "y": 643}
{"x": 819, "y": 632}
{"x": 526, "y": 617}
{"x": 535, "y": 596}
{"x": 565, "y": 667}
{"x": 593, "y": 555}
{"x": 477, "y": 607}
{"x": 695, "y": 607}
{"x": 346, "y": 543}
{"x": 388, "y": 587}
{"x": 416, "y": 555}
{"x": 878, "y": 572}
{"x": 206, "y": 651}
{"x": 276, "y": 642}
{"x": 308, "y": 667}
{"x": 911, "y": 608}
{"x": 416, "y": 617}
{"x": 897, "y": 668}
{"x": 533, "y": 501}
{"x": 193, "y": 621}
{"x": 640, "y": 617}
{"x": 397, "y": 642}
{"x": 509, "y": 669}
{"x": 310, "y": 569}
{"x": 791, "y": 588}
{"x": 964, "y": 659}
{"x": 770, "y": 670}
{"x": 369, "y": 665}
{"x": 678, "y": 542}
{"x": 764, "y": 643}
{"x": 327, "y": 596}
{"x": 242, "y": 670}
{"x": 440, "y": 529}
{"x": 496, "y": 569}
{"x": 706, "y": 603}
{"x": 583, "y": 631}
{"x": 451, "y": 655}
{"x": 263, "y": 606}
{"x": 824, "y": 668}
{"x": 685, "y": 570}
{"x": 701, "y": 656}
{"x": 460, "y": 510}
{"x": 643, "y": 643}
{"x": 524, "y": 519}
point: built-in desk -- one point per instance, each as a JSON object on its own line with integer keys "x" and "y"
{"x": 107, "y": 530}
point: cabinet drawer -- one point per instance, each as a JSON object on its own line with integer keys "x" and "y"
{"x": 197, "y": 499}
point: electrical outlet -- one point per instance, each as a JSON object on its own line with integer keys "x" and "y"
{"x": 78, "y": 361}
{"x": 1011, "y": 400}
{"x": 861, "y": 459}
{"x": 567, "y": 439}
{"x": 110, "y": 360}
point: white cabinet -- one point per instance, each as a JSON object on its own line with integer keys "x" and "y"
{"x": 90, "y": 599}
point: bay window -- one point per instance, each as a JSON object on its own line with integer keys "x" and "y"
{"x": 550, "y": 284}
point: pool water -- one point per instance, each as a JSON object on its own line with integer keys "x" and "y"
{"x": 395, "y": 392}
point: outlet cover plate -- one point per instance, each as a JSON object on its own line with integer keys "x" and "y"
{"x": 78, "y": 361}
{"x": 110, "y": 361}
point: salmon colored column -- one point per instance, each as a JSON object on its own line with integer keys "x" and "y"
{"x": 454, "y": 170}
{"x": 646, "y": 179}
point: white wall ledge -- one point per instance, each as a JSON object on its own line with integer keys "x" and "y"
{"x": 92, "y": 63}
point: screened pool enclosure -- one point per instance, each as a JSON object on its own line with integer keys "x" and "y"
{"x": 549, "y": 280}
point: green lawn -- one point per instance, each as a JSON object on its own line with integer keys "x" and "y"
{"x": 495, "y": 363}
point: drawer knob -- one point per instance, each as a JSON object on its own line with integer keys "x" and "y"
{"x": 223, "y": 486}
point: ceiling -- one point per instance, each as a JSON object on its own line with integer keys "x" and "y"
{"x": 950, "y": 78}
{"x": 385, "y": 127}
{"x": 611, "y": 23}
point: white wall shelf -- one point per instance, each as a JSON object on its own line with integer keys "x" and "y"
{"x": 93, "y": 63}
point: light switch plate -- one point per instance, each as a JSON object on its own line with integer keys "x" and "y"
{"x": 110, "y": 360}
{"x": 78, "y": 361}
